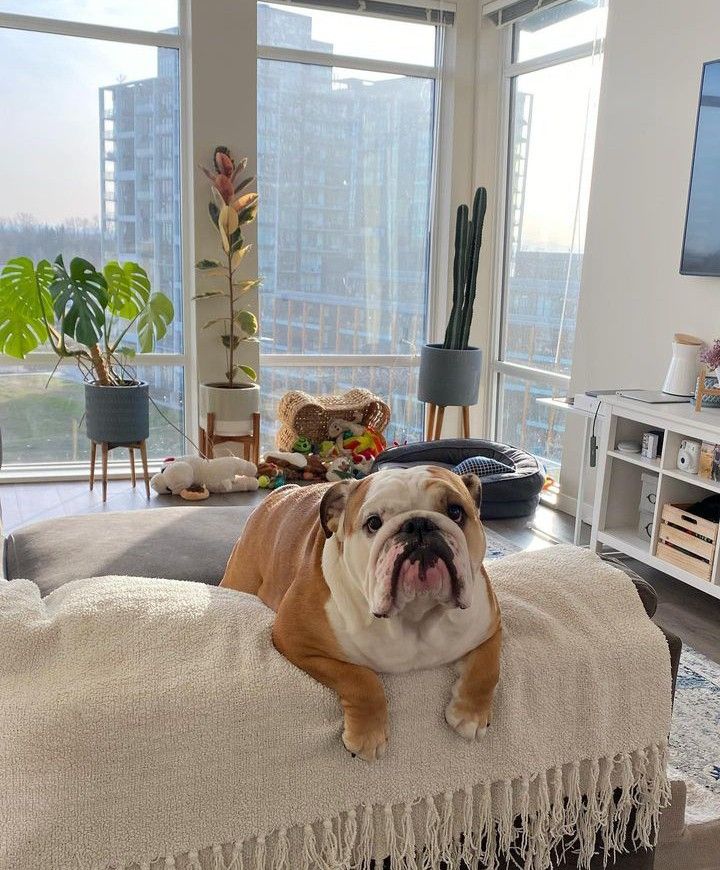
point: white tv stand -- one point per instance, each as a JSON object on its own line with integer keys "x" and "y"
{"x": 615, "y": 511}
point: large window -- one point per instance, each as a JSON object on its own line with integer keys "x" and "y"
{"x": 346, "y": 107}
{"x": 552, "y": 79}
{"x": 90, "y": 166}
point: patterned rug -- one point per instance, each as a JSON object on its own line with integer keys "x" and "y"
{"x": 694, "y": 743}
{"x": 497, "y": 546}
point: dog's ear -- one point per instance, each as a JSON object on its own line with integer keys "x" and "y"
{"x": 332, "y": 506}
{"x": 474, "y": 487}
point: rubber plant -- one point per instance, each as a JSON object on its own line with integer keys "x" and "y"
{"x": 82, "y": 313}
{"x": 468, "y": 241}
{"x": 230, "y": 210}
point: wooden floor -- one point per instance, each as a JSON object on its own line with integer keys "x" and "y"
{"x": 693, "y": 616}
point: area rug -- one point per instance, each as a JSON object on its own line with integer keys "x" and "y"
{"x": 497, "y": 546}
{"x": 694, "y": 745}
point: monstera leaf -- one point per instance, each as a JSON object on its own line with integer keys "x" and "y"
{"x": 128, "y": 288}
{"x": 24, "y": 304}
{"x": 79, "y": 300}
{"x": 153, "y": 321}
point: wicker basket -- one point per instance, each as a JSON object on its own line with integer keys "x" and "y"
{"x": 301, "y": 414}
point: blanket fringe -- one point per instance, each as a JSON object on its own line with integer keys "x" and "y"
{"x": 605, "y": 804}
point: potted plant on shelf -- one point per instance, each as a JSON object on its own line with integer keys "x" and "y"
{"x": 711, "y": 358}
{"x": 86, "y": 314}
{"x": 450, "y": 372}
{"x": 236, "y": 399}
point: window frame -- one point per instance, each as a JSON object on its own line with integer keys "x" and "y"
{"x": 498, "y": 367}
{"x": 185, "y": 360}
{"x": 439, "y": 178}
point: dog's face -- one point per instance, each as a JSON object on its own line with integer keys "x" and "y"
{"x": 408, "y": 535}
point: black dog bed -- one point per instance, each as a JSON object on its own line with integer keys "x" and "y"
{"x": 513, "y": 493}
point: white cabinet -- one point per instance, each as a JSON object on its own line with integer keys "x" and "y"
{"x": 623, "y": 509}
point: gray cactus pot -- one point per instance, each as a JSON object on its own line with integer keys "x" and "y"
{"x": 449, "y": 377}
{"x": 118, "y": 415}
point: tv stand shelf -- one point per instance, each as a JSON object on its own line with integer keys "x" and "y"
{"x": 620, "y": 475}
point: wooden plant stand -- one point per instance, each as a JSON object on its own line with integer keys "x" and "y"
{"x": 702, "y": 390}
{"x": 435, "y": 417}
{"x": 208, "y": 438}
{"x": 106, "y": 447}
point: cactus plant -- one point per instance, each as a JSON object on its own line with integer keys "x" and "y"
{"x": 468, "y": 241}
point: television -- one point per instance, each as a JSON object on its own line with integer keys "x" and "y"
{"x": 701, "y": 245}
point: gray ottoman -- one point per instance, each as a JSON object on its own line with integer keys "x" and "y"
{"x": 180, "y": 543}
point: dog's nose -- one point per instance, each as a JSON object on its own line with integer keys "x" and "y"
{"x": 418, "y": 526}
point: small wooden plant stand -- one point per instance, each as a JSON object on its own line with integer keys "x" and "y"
{"x": 208, "y": 438}
{"x": 702, "y": 390}
{"x": 435, "y": 417}
{"x": 106, "y": 447}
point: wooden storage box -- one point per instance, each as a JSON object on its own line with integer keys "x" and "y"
{"x": 686, "y": 540}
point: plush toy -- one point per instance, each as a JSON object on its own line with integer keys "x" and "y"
{"x": 270, "y": 476}
{"x": 315, "y": 469}
{"x": 327, "y": 449}
{"x": 365, "y": 445}
{"x": 224, "y": 474}
{"x": 340, "y": 469}
{"x": 302, "y": 445}
{"x": 361, "y": 468}
{"x": 339, "y": 429}
{"x": 291, "y": 465}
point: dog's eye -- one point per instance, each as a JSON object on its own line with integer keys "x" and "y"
{"x": 456, "y": 513}
{"x": 373, "y": 524}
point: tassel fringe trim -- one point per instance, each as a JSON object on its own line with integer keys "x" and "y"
{"x": 581, "y": 808}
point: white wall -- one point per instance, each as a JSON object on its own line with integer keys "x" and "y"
{"x": 633, "y": 298}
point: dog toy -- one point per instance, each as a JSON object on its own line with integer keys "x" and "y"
{"x": 315, "y": 469}
{"x": 366, "y": 445}
{"x": 302, "y": 445}
{"x": 340, "y": 469}
{"x": 224, "y": 474}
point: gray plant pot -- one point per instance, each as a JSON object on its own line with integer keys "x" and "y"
{"x": 449, "y": 377}
{"x": 119, "y": 415}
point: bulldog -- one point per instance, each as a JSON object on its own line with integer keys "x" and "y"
{"x": 379, "y": 575}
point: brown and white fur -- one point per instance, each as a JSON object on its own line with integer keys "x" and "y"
{"x": 380, "y": 575}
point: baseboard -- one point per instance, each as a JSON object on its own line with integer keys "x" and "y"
{"x": 568, "y": 505}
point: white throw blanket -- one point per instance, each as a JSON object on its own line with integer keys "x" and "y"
{"x": 151, "y": 724}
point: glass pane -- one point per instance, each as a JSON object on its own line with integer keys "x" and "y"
{"x": 42, "y": 425}
{"x": 99, "y": 140}
{"x": 549, "y": 30}
{"x": 552, "y": 142}
{"x": 395, "y": 385}
{"x": 351, "y": 35}
{"x": 160, "y": 15}
{"x": 344, "y": 164}
{"x": 529, "y": 425}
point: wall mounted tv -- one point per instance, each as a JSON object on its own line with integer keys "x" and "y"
{"x": 701, "y": 245}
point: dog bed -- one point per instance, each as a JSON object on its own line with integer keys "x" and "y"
{"x": 514, "y": 492}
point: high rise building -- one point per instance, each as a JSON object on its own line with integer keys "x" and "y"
{"x": 140, "y": 185}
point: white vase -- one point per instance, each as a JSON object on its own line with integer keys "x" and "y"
{"x": 233, "y": 406}
{"x": 683, "y": 370}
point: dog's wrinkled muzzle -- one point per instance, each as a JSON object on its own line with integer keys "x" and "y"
{"x": 416, "y": 562}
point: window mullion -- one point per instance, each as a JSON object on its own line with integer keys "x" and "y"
{"x": 103, "y": 32}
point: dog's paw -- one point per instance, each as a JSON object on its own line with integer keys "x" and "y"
{"x": 470, "y": 724}
{"x": 370, "y": 744}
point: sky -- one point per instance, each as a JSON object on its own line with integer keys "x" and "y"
{"x": 49, "y": 96}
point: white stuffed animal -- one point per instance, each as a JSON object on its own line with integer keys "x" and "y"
{"x": 224, "y": 474}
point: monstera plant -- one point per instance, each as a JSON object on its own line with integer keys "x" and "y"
{"x": 88, "y": 315}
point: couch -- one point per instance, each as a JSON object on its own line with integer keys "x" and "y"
{"x": 190, "y": 543}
